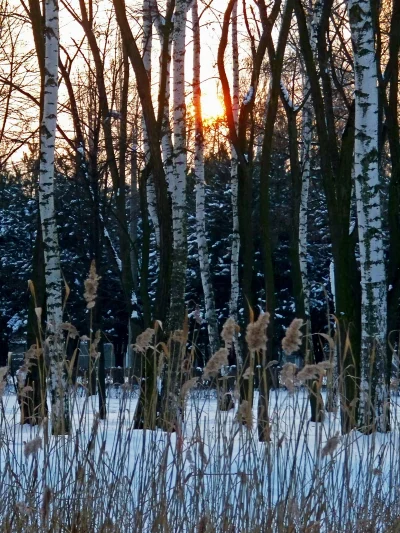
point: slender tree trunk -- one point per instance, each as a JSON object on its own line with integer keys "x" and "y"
{"x": 147, "y": 40}
{"x": 235, "y": 244}
{"x": 336, "y": 176}
{"x": 303, "y": 212}
{"x": 163, "y": 207}
{"x": 179, "y": 223}
{"x": 164, "y": 27}
{"x": 34, "y": 405}
{"x": 147, "y": 360}
{"x": 301, "y": 216}
{"x": 374, "y": 393}
{"x": 276, "y": 60}
{"x": 134, "y": 207}
{"x": 166, "y": 133}
{"x": 171, "y": 380}
{"x": 296, "y": 186}
{"x": 392, "y": 122}
{"x": 307, "y": 125}
{"x": 307, "y": 118}
{"x": 117, "y": 172}
{"x": 205, "y": 271}
{"x": 315, "y": 398}
{"x": 59, "y": 387}
{"x": 134, "y": 210}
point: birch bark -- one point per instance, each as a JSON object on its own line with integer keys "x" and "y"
{"x": 235, "y": 287}
{"x": 147, "y": 40}
{"x": 164, "y": 30}
{"x": 170, "y": 415}
{"x": 305, "y": 187}
{"x": 58, "y": 382}
{"x": 307, "y": 125}
{"x": 205, "y": 271}
{"x": 179, "y": 226}
{"x": 374, "y": 394}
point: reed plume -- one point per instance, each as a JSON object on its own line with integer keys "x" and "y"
{"x": 292, "y": 340}
{"x": 256, "y": 333}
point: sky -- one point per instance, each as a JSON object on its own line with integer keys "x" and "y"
{"x": 72, "y": 35}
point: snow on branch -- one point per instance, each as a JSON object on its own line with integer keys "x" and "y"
{"x": 287, "y": 97}
{"x": 249, "y": 96}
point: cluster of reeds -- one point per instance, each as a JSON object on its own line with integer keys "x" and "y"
{"x": 213, "y": 475}
{"x": 209, "y": 472}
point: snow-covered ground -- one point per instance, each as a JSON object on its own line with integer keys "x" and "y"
{"x": 306, "y": 477}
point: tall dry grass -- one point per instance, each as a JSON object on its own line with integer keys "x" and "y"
{"x": 212, "y": 475}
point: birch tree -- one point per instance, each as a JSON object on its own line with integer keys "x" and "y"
{"x": 171, "y": 380}
{"x": 204, "y": 260}
{"x": 305, "y": 186}
{"x": 179, "y": 222}
{"x": 147, "y": 39}
{"x": 306, "y": 133}
{"x": 33, "y": 406}
{"x": 374, "y": 393}
{"x": 164, "y": 28}
{"x": 58, "y": 382}
{"x": 235, "y": 243}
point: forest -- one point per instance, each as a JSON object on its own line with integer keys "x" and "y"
{"x": 212, "y": 188}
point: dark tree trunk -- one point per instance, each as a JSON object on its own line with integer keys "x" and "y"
{"x": 276, "y": 62}
{"x": 336, "y": 176}
{"x": 392, "y": 123}
{"x": 34, "y": 406}
{"x": 153, "y": 132}
{"x": 314, "y": 394}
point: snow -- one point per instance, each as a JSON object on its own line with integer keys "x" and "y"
{"x": 212, "y": 448}
{"x": 250, "y": 93}
{"x": 286, "y": 96}
{"x": 16, "y": 323}
{"x": 116, "y": 257}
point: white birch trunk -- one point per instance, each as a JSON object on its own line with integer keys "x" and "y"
{"x": 205, "y": 271}
{"x": 235, "y": 288}
{"x": 374, "y": 394}
{"x": 307, "y": 118}
{"x": 58, "y": 382}
{"x": 179, "y": 225}
{"x": 307, "y": 125}
{"x": 147, "y": 41}
{"x": 166, "y": 136}
{"x": 166, "y": 132}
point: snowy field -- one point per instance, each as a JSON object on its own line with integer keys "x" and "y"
{"x": 212, "y": 476}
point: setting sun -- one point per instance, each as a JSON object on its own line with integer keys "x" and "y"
{"x": 212, "y": 106}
